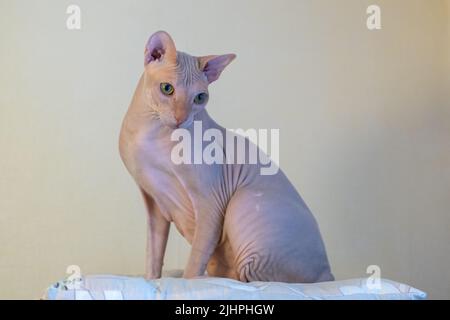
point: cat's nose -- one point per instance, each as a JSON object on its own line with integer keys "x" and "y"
{"x": 179, "y": 121}
{"x": 180, "y": 117}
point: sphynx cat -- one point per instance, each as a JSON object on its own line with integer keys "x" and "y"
{"x": 240, "y": 224}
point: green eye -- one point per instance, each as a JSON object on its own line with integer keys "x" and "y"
{"x": 201, "y": 98}
{"x": 167, "y": 89}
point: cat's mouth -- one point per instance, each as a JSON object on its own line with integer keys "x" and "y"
{"x": 170, "y": 121}
{"x": 186, "y": 124}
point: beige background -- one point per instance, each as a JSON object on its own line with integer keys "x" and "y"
{"x": 364, "y": 119}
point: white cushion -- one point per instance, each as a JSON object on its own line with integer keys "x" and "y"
{"x": 111, "y": 287}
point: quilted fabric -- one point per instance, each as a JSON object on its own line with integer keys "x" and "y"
{"x": 111, "y": 287}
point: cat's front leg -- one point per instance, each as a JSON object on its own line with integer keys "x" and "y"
{"x": 157, "y": 234}
{"x": 208, "y": 232}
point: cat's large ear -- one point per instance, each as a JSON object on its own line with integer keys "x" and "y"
{"x": 213, "y": 66}
{"x": 160, "y": 47}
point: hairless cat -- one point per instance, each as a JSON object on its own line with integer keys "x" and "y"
{"x": 240, "y": 224}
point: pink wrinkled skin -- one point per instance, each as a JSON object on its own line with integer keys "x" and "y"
{"x": 240, "y": 224}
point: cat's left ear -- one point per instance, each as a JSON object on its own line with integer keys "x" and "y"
{"x": 160, "y": 47}
{"x": 213, "y": 66}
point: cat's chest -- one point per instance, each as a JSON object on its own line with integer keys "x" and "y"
{"x": 149, "y": 162}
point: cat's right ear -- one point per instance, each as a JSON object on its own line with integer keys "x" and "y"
{"x": 160, "y": 47}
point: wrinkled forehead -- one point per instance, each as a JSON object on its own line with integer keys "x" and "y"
{"x": 188, "y": 70}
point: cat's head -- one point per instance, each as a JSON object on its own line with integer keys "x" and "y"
{"x": 175, "y": 83}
